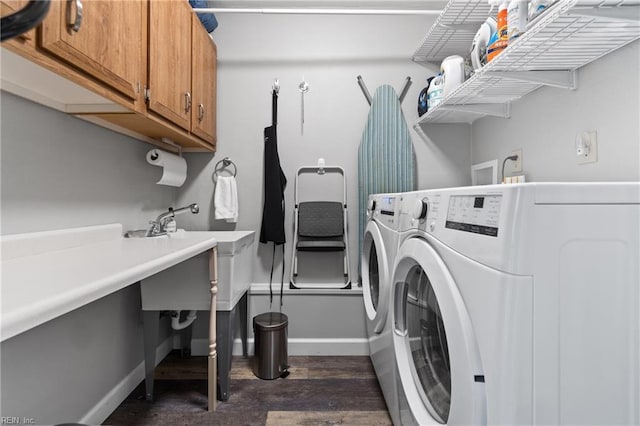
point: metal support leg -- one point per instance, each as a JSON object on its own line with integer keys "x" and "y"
{"x": 150, "y": 321}
{"x": 345, "y": 269}
{"x": 224, "y": 333}
{"x": 185, "y": 341}
{"x": 244, "y": 322}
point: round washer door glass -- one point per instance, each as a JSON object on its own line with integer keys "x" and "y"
{"x": 427, "y": 341}
{"x": 374, "y": 276}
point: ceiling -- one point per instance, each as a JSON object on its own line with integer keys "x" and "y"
{"x": 332, "y": 4}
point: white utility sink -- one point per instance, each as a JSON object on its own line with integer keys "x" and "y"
{"x": 185, "y": 286}
{"x": 48, "y": 274}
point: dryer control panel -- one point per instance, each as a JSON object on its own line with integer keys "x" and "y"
{"x": 384, "y": 210}
{"x": 431, "y": 206}
{"x": 478, "y": 214}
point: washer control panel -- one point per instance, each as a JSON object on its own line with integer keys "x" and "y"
{"x": 478, "y": 214}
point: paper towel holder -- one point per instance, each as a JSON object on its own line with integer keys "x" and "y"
{"x": 173, "y": 144}
{"x": 174, "y": 167}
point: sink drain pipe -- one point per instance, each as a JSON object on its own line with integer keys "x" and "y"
{"x": 175, "y": 320}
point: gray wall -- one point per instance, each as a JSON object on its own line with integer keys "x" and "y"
{"x": 329, "y": 52}
{"x": 59, "y": 172}
{"x": 546, "y": 123}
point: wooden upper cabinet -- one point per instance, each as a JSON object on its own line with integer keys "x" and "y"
{"x": 170, "y": 61}
{"x": 108, "y": 42}
{"x": 203, "y": 79}
{"x": 8, "y": 7}
{"x": 115, "y": 49}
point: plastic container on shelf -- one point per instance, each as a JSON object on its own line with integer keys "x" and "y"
{"x": 480, "y": 43}
{"x": 423, "y": 98}
{"x": 536, "y": 7}
{"x": 517, "y": 13}
{"x": 500, "y": 39}
{"x": 435, "y": 93}
{"x": 452, "y": 69}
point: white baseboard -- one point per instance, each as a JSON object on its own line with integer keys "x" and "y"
{"x": 114, "y": 398}
{"x": 345, "y": 347}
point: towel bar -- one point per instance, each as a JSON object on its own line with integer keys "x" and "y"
{"x": 226, "y": 162}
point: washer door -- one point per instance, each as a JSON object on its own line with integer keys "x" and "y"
{"x": 437, "y": 354}
{"x": 375, "y": 277}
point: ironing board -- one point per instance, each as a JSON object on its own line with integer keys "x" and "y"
{"x": 386, "y": 161}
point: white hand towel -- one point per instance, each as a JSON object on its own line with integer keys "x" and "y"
{"x": 225, "y": 199}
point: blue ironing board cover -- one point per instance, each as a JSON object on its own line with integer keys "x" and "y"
{"x": 386, "y": 161}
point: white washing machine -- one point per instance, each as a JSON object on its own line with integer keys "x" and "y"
{"x": 519, "y": 304}
{"x": 379, "y": 247}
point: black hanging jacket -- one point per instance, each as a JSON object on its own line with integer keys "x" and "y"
{"x": 274, "y": 184}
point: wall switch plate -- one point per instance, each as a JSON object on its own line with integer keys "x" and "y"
{"x": 586, "y": 147}
{"x": 516, "y": 166}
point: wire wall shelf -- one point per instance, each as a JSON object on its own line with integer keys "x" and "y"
{"x": 567, "y": 36}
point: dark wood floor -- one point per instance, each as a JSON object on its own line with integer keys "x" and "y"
{"x": 321, "y": 390}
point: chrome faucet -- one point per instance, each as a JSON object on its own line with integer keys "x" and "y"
{"x": 159, "y": 226}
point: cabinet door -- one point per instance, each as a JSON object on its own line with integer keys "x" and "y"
{"x": 9, "y": 7}
{"x": 170, "y": 60}
{"x": 107, "y": 44}
{"x": 203, "y": 79}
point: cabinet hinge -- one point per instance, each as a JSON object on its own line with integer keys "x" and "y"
{"x": 147, "y": 94}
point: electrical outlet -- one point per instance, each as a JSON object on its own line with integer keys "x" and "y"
{"x": 516, "y": 165}
{"x": 586, "y": 147}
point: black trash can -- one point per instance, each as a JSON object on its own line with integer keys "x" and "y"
{"x": 270, "y": 333}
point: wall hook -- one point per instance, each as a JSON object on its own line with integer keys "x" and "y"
{"x": 364, "y": 89}
{"x": 405, "y": 89}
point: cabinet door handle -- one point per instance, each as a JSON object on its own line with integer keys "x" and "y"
{"x": 200, "y": 112}
{"x": 75, "y": 25}
{"x": 187, "y": 101}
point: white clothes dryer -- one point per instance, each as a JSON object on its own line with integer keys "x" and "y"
{"x": 380, "y": 243}
{"x": 519, "y": 304}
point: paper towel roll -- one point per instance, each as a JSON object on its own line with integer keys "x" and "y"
{"x": 174, "y": 168}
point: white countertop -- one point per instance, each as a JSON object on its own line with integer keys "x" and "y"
{"x": 48, "y": 274}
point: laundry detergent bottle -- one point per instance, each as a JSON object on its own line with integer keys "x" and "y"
{"x": 500, "y": 39}
{"x": 435, "y": 93}
{"x": 517, "y": 18}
